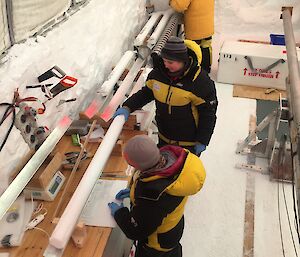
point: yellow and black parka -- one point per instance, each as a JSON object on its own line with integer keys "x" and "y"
{"x": 185, "y": 107}
{"x": 198, "y": 17}
{"x": 156, "y": 217}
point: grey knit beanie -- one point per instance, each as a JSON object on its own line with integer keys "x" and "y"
{"x": 141, "y": 152}
{"x": 175, "y": 50}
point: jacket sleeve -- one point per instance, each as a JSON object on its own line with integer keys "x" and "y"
{"x": 180, "y": 5}
{"x": 139, "y": 99}
{"x": 141, "y": 221}
{"x": 206, "y": 110}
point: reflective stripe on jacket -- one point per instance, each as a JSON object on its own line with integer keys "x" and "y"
{"x": 156, "y": 216}
{"x": 185, "y": 107}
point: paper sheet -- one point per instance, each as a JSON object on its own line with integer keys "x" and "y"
{"x": 16, "y": 228}
{"x": 96, "y": 212}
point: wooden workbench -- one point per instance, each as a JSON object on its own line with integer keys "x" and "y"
{"x": 35, "y": 241}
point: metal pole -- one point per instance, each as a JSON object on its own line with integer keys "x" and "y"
{"x": 293, "y": 95}
{"x": 293, "y": 65}
{"x": 10, "y": 22}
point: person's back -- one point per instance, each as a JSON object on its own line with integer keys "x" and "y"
{"x": 158, "y": 195}
{"x": 198, "y": 17}
{"x": 198, "y": 24}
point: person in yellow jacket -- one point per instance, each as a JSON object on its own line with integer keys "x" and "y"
{"x": 198, "y": 25}
{"x": 159, "y": 190}
{"x": 185, "y": 97}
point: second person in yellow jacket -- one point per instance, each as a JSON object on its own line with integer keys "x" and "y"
{"x": 198, "y": 25}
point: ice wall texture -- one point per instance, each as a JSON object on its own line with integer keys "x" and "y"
{"x": 255, "y": 18}
{"x": 87, "y": 46}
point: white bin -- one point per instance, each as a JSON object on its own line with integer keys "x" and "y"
{"x": 253, "y": 64}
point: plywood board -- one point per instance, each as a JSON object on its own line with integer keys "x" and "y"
{"x": 248, "y": 249}
{"x": 257, "y": 93}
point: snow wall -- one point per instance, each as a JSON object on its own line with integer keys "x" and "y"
{"x": 86, "y": 46}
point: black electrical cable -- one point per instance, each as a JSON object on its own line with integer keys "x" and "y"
{"x": 281, "y": 165}
{"x": 9, "y": 108}
{"x": 278, "y": 206}
{"x": 294, "y": 201}
{"x": 6, "y": 111}
{"x": 293, "y": 185}
{"x": 288, "y": 216}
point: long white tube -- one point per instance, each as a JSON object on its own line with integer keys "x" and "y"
{"x": 159, "y": 28}
{"x": 19, "y": 183}
{"x": 119, "y": 96}
{"x": 67, "y": 222}
{"x": 116, "y": 73}
{"x": 140, "y": 39}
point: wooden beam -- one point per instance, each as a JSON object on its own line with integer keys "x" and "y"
{"x": 248, "y": 249}
{"x": 257, "y": 93}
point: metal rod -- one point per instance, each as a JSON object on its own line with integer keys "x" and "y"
{"x": 70, "y": 179}
{"x": 293, "y": 95}
{"x": 293, "y": 65}
{"x": 10, "y": 23}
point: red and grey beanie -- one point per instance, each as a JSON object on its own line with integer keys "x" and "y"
{"x": 141, "y": 152}
{"x": 175, "y": 50}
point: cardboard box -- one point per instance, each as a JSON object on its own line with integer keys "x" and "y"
{"x": 253, "y": 64}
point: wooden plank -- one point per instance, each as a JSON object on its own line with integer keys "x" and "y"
{"x": 248, "y": 249}
{"x": 257, "y": 93}
{"x": 260, "y": 42}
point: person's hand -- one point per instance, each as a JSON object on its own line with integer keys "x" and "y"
{"x": 123, "y": 194}
{"x": 122, "y": 111}
{"x": 199, "y": 148}
{"x": 114, "y": 207}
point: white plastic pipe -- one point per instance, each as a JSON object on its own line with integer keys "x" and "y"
{"x": 119, "y": 96}
{"x": 140, "y": 39}
{"x": 69, "y": 218}
{"x": 159, "y": 28}
{"x": 51, "y": 251}
{"x": 116, "y": 73}
{"x": 19, "y": 183}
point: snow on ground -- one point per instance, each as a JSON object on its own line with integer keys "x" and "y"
{"x": 92, "y": 41}
{"x": 215, "y": 216}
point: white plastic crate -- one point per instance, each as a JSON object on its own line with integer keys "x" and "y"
{"x": 253, "y": 64}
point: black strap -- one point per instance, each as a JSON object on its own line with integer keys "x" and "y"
{"x": 5, "y": 241}
{"x": 9, "y": 107}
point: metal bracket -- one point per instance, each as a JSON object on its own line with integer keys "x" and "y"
{"x": 253, "y": 147}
